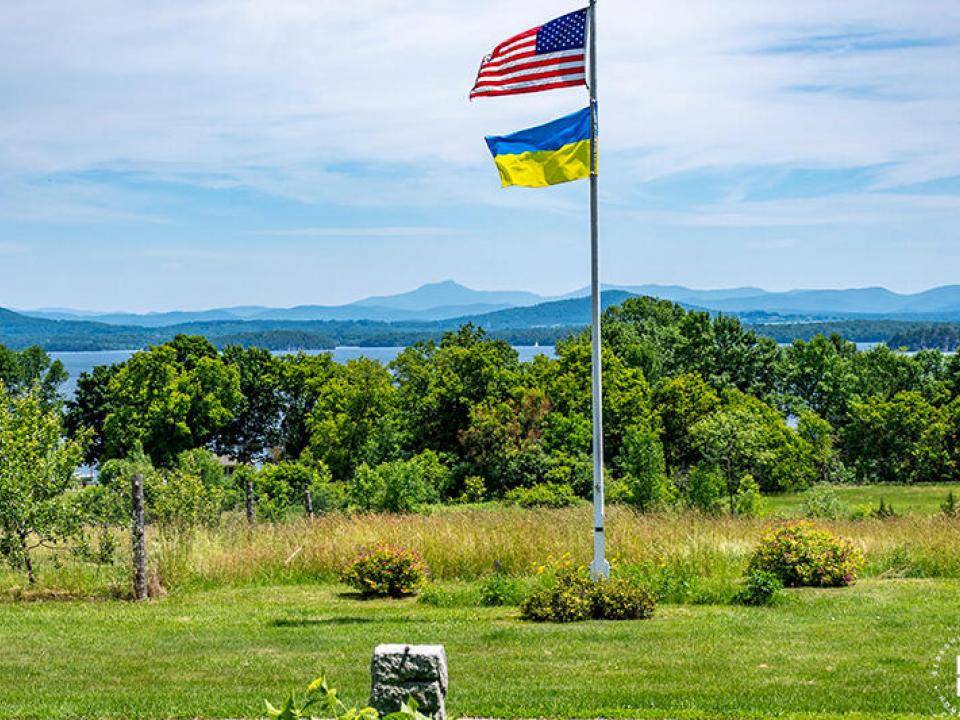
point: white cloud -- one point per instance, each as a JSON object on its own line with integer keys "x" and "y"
{"x": 371, "y": 232}
{"x": 309, "y": 99}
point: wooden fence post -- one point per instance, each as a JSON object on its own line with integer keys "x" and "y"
{"x": 308, "y": 503}
{"x": 251, "y": 508}
{"x": 139, "y": 540}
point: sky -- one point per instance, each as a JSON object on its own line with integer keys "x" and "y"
{"x": 205, "y": 153}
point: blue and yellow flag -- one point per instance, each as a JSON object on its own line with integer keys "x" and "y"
{"x": 550, "y": 154}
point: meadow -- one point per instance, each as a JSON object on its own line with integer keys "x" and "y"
{"x": 253, "y": 613}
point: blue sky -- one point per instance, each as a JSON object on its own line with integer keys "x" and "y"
{"x": 199, "y": 153}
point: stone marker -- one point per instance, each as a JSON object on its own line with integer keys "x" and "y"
{"x": 398, "y": 672}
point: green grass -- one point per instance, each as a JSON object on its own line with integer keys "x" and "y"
{"x": 218, "y": 653}
{"x": 906, "y": 499}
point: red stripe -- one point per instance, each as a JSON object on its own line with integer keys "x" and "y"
{"x": 497, "y": 62}
{"x": 528, "y": 77}
{"x": 521, "y": 36}
{"x": 535, "y": 64}
{"x": 520, "y": 91}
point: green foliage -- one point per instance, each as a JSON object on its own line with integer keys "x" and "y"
{"x": 571, "y": 596}
{"x": 386, "y": 571}
{"x": 36, "y": 474}
{"x": 497, "y": 590}
{"x": 759, "y": 588}
{"x": 31, "y": 371}
{"x": 683, "y": 402}
{"x": 950, "y": 506}
{"x": 474, "y": 490}
{"x": 706, "y": 489}
{"x": 645, "y": 473}
{"x": 400, "y": 486}
{"x": 620, "y": 599}
{"x": 552, "y": 495}
{"x": 802, "y": 554}
{"x": 352, "y": 416}
{"x": 254, "y": 426}
{"x": 822, "y": 501}
{"x": 169, "y": 398}
{"x": 901, "y": 439}
{"x": 325, "y": 700}
{"x": 748, "y": 502}
{"x": 568, "y": 598}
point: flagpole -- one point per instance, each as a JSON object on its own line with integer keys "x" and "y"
{"x": 600, "y": 568}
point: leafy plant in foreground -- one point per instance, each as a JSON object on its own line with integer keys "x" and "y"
{"x": 320, "y": 697}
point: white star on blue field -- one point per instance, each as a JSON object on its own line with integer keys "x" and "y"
{"x": 184, "y": 155}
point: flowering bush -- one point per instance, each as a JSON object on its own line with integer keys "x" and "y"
{"x": 801, "y": 554}
{"x": 569, "y": 595}
{"x": 386, "y": 571}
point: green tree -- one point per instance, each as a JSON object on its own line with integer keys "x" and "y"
{"x": 438, "y": 384}
{"x": 254, "y": 427}
{"x": 901, "y": 439}
{"x": 169, "y": 398}
{"x": 88, "y": 409}
{"x": 37, "y": 469}
{"x": 748, "y": 437}
{"x": 645, "y": 471}
{"x": 820, "y": 373}
{"x": 682, "y": 402}
{"x": 401, "y": 486}
{"x": 302, "y": 379}
{"x": 32, "y": 370}
{"x": 354, "y": 418}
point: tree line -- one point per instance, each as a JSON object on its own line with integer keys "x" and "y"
{"x": 699, "y": 411}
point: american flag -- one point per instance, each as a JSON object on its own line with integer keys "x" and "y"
{"x": 544, "y": 58}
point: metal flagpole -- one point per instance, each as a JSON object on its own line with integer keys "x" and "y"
{"x": 600, "y": 568}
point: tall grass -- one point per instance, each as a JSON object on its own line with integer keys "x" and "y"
{"x": 686, "y": 557}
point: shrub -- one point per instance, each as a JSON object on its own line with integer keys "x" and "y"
{"x": 645, "y": 471}
{"x": 759, "y": 588}
{"x": 386, "y": 571}
{"x": 498, "y": 589}
{"x": 474, "y": 490}
{"x": 748, "y": 502}
{"x": 822, "y": 501}
{"x": 401, "y": 486}
{"x": 573, "y": 597}
{"x": 801, "y": 554}
{"x": 569, "y": 598}
{"x": 707, "y": 489}
{"x": 618, "y": 599}
{"x": 543, "y": 495}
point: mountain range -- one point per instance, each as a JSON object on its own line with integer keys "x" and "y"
{"x": 427, "y": 312}
{"x": 448, "y": 300}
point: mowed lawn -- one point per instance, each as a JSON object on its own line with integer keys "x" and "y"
{"x": 216, "y": 654}
{"x": 920, "y": 499}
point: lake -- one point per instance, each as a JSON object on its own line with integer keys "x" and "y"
{"x": 78, "y": 362}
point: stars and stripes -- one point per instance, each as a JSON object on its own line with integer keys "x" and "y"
{"x": 544, "y": 58}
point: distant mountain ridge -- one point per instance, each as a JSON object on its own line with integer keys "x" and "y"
{"x": 449, "y": 300}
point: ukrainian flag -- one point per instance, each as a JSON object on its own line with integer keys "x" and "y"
{"x": 550, "y": 154}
